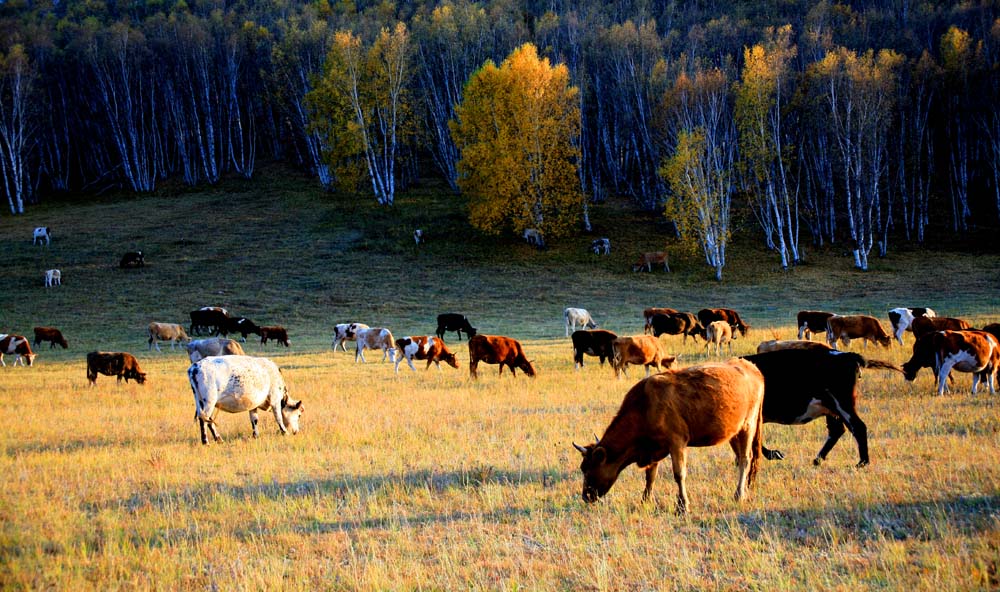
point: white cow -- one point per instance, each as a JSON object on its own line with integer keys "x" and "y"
{"x": 375, "y": 338}
{"x": 213, "y": 346}
{"x": 344, "y": 332}
{"x": 236, "y": 384}
{"x": 575, "y": 316}
{"x": 901, "y": 319}
{"x": 53, "y": 277}
{"x": 41, "y": 233}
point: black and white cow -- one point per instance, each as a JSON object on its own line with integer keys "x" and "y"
{"x": 601, "y": 246}
{"x": 901, "y": 319}
{"x": 344, "y": 332}
{"x": 41, "y": 233}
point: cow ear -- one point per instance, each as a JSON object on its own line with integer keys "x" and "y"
{"x": 600, "y": 454}
{"x": 295, "y": 405}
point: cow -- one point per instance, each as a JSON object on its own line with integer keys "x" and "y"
{"x": 924, "y": 325}
{"x": 578, "y": 316}
{"x": 811, "y": 321}
{"x": 241, "y": 325}
{"x": 639, "y": 350}
{"x": 418, "y": 236}
{"x": 41, "y": 233}
{"x": 596, "y": 342}
{"x": 171, "y": 332}
{"x": 601, "y": 246}
{"x": 375, "y": 338}
{"x": 901, "y": 319}
{"x": 704, "y": 405}
{"x": 977, "y": 352}
{"x": 993, "y": 329}
{"x": 274, "y": 333}
{"x": 198, "y": 349}
{"x": 235, "y": 384}
{"x": 132, "y": 259}
{"x": 718, "y": 333}
{"x": 451, "y": 321}
{"x": 17, "y": 346}
{"x": 648, "y": 260}
{"x": 778, "y": 345}
{"x": 214, "y": 319}
{"x": 534, "y": 237}
{"x": 344, "y": 332}
{"x": 844, "y": 328}
{"x": 497, "y": 349}
{"x": 422, "y": 347}
{"x": 52, "y": 335}
{"x": 803, "y": 384}
{"x": 120, "y": 364}
{"x": 679, "y": 323}
{"x": 708, "y": 315}
{"x": 53, "y": 277}
{"x": 647, "y": 316}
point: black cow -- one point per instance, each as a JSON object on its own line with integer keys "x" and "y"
{"x": 132, "y": 259}
{"x": 213, "y": 319}
{"x": 595, "y": 342}
{"x": 681, "y": 323}
{"x": 801, "y": 385}
{"x": 450, "y": 321}
{"x": 241, "y": 325}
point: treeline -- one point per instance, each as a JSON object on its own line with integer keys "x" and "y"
{"x": 861, "y": 122}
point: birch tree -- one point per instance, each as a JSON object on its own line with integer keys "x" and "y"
{"x": 16, "y": 125}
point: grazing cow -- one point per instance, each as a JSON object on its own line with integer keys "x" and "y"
{"x": 171, "y": 332}
{"x": 120, "y": 364}
{"x": 802, "y": 385}
{"x": 679, "y": 323}
{"x": 901, "y": 319}
{"x": 235, "y": 384}
{"x": 17, "y": 346}
{"x": 639, "y": 350}
{"x": 241, "y": 325}
{"x": 708, "y": 315}
{"x": 578, "y": 316}
{"x": 52, "y": 335}
{"x": 534, "y": 237}
{"x": 703, "y": 405}
{"x": 647, "y": 316}
{"x": 844, "y": 328}
{"x": 213, "y": 346}
{"x": 132, "y": 259}
{"x": 993, "y": 329}
{"x": 593, "y": 343}
{"x": 41, "y": 233}
{"x": 451, "y": 321}
{"x": 924, "y": 325}
{"x": 375, "y": 338}
{"x": 422, "y": 347}
{"x": 418, "y": 236}
{"x": 344, "y": 332}
{"x": 496, "y": 349}
{"x": 213, "y": 319}
{"x": 977, "y": 352}
{"x": 778, "y": 345}
{"x": 274, "y": 333}
{"x": 648, "y": 260}
{"x": 601, "y": 246}
{"x": 718, "y": 333}
{"x": 53, "y": 277}
{"x": 812, "y": 321}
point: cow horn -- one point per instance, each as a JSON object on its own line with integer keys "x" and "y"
{"x": 577, "y": 446}
{"x": 596, "y": 439}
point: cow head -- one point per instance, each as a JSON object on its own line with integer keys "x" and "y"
{"x": 30, "y": 357}
{"x": 591, "y": 324}
{"x": 598, "y": 474}
{"x": 525, "y": 365}
{"x": 291, "y": 411}
{"x": 449, "y": 358}
{"x": 62, "y": 341}
{"x": 923, "y": 357}
{"x": 139, "y": 377}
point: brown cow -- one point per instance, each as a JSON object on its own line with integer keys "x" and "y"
{"x": 276, "y": 333}
{"x": 977, "y": 352}
{"x": 648, "y": 260}
{"x": 496, "y": 349}
{"x": 649, "y": 313}
{"x": 17, "y": 346}
{"x": 639, "y": 350}
{"x": 812, "y": 321}
{"x": 923, "y": 325}
{"x": 708, "y": 315}
{"x": 50, "y": 334}
{"x": 422, "y": 347}
{"x": 847, "y": 327}
{"x": 120, "y": 364}
{"x": 171, "y": 332}
{"x": 778, "y": 345}
{"x": 663, "y": 415}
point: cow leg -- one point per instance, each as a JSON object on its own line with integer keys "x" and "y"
{"x": 214, "y": 430}
{"x": 253, "y": 422}
{"x": 473, "y": 365}
{"x": 204, "y": 434}
{"x": 679, "y": 459}
{"x": 741, "y": 447}
{"x": 410, "y": 362}
{"x": 360, "y": 353}
{"x": 835, "y": 429}
{"x": 277, "y": 417}
{"x": 650, "y": 479}
{"x": 771, "y": 454}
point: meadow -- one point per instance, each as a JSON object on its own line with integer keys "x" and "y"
{"x": 429, "y": 480}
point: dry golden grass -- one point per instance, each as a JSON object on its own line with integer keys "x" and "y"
{"x": 431, "y": 481}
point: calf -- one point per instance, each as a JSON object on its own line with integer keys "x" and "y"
{"x": 344, "y": 332}
{"x": 534, "y": 237}
{"x": 53, "y": 277}
{"x": 709, "y": 315}
{"x": 50, "y": 334}
{"x": 497, "y": 349}
{"x": 213, "y": 346}
{"x": 120, "y": 364}
{"x": 902, "y": 318}
{"x": 601, "y": 246}
{"x": 41, "y": 233}
{"x": 965, "y": 351}
{"x": 578, "y": 316}
{"x": 648, "y": 313}
{"x": 812, "y": 321}
{"x": 778, "y": 345}
{"x": 450, "y": 321}
{"x": 680, "y": 323}
{"x": 648, "y": 260}
{"x": 844, "y": 328}
{"x": 593, "y": 343}
{"x": 422, "y": 347}
{"x": 171, "y": 332}
{"x": 923, "y": 325}
{"x": 132, "y": 259}
{"x": 639, "y": 350}
{"x": 17, "y": 346}
{"x": 375, "y": 338}
{"x": 719, "y": 333}
{"x": 274, "y": 333}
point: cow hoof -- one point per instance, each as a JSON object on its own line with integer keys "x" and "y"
{"x": 861, "y": 464}
{"x": 774, "y": 455}
{"x": 817, "y": 461}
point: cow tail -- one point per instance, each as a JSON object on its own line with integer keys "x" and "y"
{"x": 881, "y": 365}
{"x": 756, "y": 446}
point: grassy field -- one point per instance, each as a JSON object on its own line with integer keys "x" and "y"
{"x": 428, "y": 480}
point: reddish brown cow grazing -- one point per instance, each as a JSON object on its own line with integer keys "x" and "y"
{"x": 709, "y": 315}
{"x": 847, "y": 327}
{"x": 977, "y": 352}
{"x": 275, "y": 333}
{"x": 663, "y": 415}
{"x": 17, "y": 346}
{"x": 812, "y": 321}
{"x": 422, "y": 347}
{"x": 50, "y": 334}
{"x": 649, "y": 313}
{"x": 496, "y": 349}
{"x": 778, "y": 345}
{"x": 639, "y": 350}
{"x": 120, "y": 364}
{"x": 923, "y": 325}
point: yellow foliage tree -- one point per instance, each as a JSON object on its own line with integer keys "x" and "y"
{"x": 517, "y": 130}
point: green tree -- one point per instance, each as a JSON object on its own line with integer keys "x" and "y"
{"x": 517, "y": 130}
